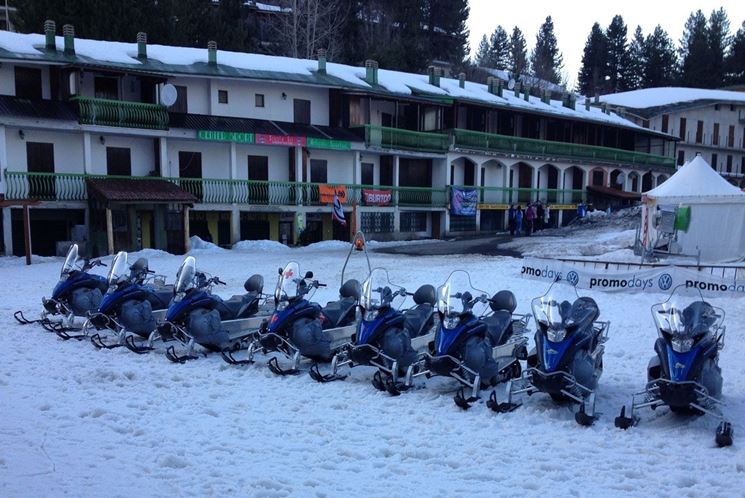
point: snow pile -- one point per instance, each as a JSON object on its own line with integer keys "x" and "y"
{"x": 259, "y": 246}
{"x": 200, "y": 246}
{"x": 329, "y": 245}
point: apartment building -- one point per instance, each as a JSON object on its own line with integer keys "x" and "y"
{"x": 130, "y": 145}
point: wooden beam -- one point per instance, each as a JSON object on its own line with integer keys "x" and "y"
{"x": 109, "y": 231}
{"x": 27, "y": 233}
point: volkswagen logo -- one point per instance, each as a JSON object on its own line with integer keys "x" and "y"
{"x": 573, "y": 278}
{"x": 665, "y": 281}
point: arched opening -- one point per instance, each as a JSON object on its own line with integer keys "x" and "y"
{"x": 617, "y": 179}
{"x": 524, "y": 181}
{"x": 548, "y": 183}
{"x": 634, "y": 181}
{"x": 647, "y": 181}
{"x": 463, "y": 172}
{"x": 597, "y": 177}
{"x": 661, "y": 179}
{"x": 494, "y": 181}
{"x": 574, "y": 180}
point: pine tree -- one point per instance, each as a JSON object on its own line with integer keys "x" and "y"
{"x": 695, "y": 53}
{"x": 618, "y": 56}
{"x": 483, "y": 54}
{"x": 445, "y": 34}
{"x": 735, "y": 62}
{"x": 592, "y": 75}
{"x": 659, "y": 60}
{"x": 499, "y": 45}
{"x": 718, "y": 42}
{"x": 546, "y": 60}
{"x": 518, "y": 63}
{"x": 635, "y": 73}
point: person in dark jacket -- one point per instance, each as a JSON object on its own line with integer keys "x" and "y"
{"x": 511, "y": 219}
{"x": 518, "y": 220}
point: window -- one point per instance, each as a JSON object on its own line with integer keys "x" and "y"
{"x": 681, "y": 157}
{"x": 118, "y": 161}
{"x": 28, "y": 83}
{"x": 259, "y": 100}
{"x": 40, "y": 159}
{"x": 731, "y": 136}
{"x": 106, "y": 88}
{"x": 729, "y": 164}
{"x": 742, "y": 166}
{"x": 222, "y": 96}
{"x": 665, "y": 122}
{"x": 715, "y": 135}
{"x": 258, "y": 168}
{"x": 181, "y": 100}
{"x": 318, "y": 173}
{"x": 714, "y": 161}
{"x": 190, "y": 166}
{"x": 682, "y": 129}
{"x": 732, "y": 107}
{"x": 699, "y": 132}
{"x": 716, "y": 107}
{"x": 302, "y": 111}
{"x": 368, "y": 174}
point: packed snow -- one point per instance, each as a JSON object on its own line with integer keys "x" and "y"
{"x": 82, "y": 422}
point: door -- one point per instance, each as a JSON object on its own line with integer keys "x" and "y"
{"x": 40, "y": 159}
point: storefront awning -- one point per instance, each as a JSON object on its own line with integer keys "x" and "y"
{"x": 138, "y": 191}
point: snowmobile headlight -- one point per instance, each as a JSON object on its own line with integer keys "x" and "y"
{"x": 452, "y": 321}
{"x": 681, "y": 345}
{"x": 178, "y": 297}
{"x": 281, "y": 305}
{"x": 556, "y": 335}
{"x": 370, "y": 315}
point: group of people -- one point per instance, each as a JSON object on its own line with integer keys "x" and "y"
{"x": 535, "y": 217}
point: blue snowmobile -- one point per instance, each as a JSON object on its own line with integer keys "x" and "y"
{"x": 479, "y": 341}
{"x": 684, "y": 373}
{"x": 197, "y": 316}
{"x": 129, "y": 303}
{"x": 389, "y": 338}
{"x": 567, "y": 361}
{"x": 76, "y": 294}
{"x": 301, "y": 328}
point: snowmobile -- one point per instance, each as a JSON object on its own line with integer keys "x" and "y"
{"x": 301, "y": 328}
{"x": 77, "y": 293}
{"x": 479, "y": 341}
{"x": 129, "y": 304}
{"x": 568, "y": 357}
{"x": 388, "y": 338}
{"x": 196, "y": 316}
{"x": 684, "y": 374}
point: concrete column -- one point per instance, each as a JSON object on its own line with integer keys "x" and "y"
{"x": 479, "y": 175}
{"x": 7, "y": 232}
{"x": 3, "y": 161}
{"x": 235, "y": 212}
{"x": 165, "y": 166}
{"x": 87, "y": 155}
{"x": 534, "y": 182}
{"x": 233, "y": 161}
{"x": 357, "y": 180}
{"x": 109, "y": 231}
{"x": 187, "y": 242}
{"x": 299, "y": 174}
{"x": 607, "y": 174}
{"x": 235, "y": 224}
{"x": 396, "y": 209}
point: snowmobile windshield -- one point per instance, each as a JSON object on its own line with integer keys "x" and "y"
{"x": 185, "y": 275}
{"x": 458, "y": 295}
{"x": 378, "y": 291}
{"x": 685, "y": 317}
{"x": 71, "y": 261}
{"x": 553, "y": 310}
{"x": 119, "y": 271}
{"x": 290, "y": 283}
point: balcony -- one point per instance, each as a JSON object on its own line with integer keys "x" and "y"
{"x": 394, "y": 138}
{"x": 505, "y": 195}
{"x": 123, "y": 114}
{"x": 467, "y": 139}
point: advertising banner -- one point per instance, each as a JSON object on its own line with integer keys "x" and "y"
{"x": 327, "y": 193}
{"x": 289, "y": 141}
{"x": 377, "y": 197}
{"x": 463, "y": 202}
{"x": 660, "y": 279}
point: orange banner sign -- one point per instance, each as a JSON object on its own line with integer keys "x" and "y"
{"x": 327, "y": 193}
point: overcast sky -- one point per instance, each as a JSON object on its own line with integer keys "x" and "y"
{"x": 573, "y": 20}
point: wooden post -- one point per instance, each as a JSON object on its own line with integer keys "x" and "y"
{"x": 109, "y": 231}
{"x": 27, "y": 232}
{"x": 186, "y": 229}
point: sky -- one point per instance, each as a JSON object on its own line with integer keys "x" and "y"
{"x": 574, "y": 19}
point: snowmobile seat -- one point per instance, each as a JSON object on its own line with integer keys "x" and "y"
{"x": 419, "y": 318}
{"x": 498, "y": 326}
{"x": 339, "y": 313}
{"x": 238, "y": 306}
{"x": 351, "y": 288}
{"x": 698, "y": 317}
{"x": 255, "y": 284}
{"x": 426, "y": 294}
{"x": 503, "y": 300}
{"x": 161, "y": 297}
{"x": 583, "y": 312}
{"x": 139, "y": 270}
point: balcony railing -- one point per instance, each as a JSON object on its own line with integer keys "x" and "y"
{"x": 395, "y": 138}
{"x": 504, "y": 195}
{"x": 468, "y": 139}
{"x": 106, "y": 112}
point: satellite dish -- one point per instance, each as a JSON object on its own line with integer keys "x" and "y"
{"x": 168, "y": 95}
{"x": 511, "y": 84}
{"x": 620, "y": 179}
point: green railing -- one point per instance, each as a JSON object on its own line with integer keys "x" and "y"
{"x": 106, "y": 112}
{"x": 395, "y": 138}
{"x": 468, "y": 139}
{"x": 45, "y": 186}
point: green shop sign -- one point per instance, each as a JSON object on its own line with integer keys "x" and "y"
{"x": 226, "y": 136}
{"x": 326, "y": 143}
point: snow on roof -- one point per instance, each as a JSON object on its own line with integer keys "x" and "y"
{"x": 696, "y": 180}
{"x": 656, "y": 97}
{"x": 183, "y": 59}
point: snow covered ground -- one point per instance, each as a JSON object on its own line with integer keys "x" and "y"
{"x": 81, "y": 422}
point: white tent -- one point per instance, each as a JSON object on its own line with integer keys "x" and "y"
{"x": 717, "y": 225}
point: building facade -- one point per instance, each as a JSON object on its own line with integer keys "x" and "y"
{"x": 130, "y": 145}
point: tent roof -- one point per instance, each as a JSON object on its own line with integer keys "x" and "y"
{"x": 697, "y": 181}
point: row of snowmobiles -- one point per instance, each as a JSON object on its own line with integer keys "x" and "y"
{"x": 455, "y": 331}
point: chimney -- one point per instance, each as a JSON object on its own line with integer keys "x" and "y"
{"x": 371, "y": 71}
{"x": 322, "y": 61}
{"x": 68, "y": 31}
{"x": 212, "y": 53}
{"x": 50, "y": 30}
{"x": 572, "y": 101}
{"x": 518, "y": 85}
{"x": 490, "y": 84}
{"x": 597, "y": 97}
{"x": 142, "y": 45}
{"x": 587, "y": 104}
{"x": 526, "y": 93}
{"x": 604, "y": 107}
{"x": 434, "y": 75}
{"x": 546, "y": 97}
{"x": 462, "y": 80}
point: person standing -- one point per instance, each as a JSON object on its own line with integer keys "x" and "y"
{"x": 539, "y": 216}
{"x": 547, "y": 217}
{"x": 518, "y": 220}
{"x": 511, "y": 219}
{"x": 529, "y": 218}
